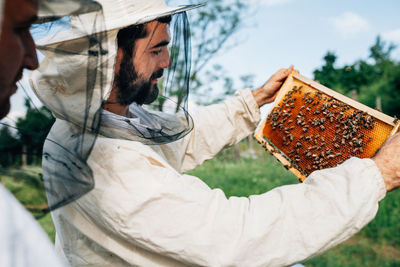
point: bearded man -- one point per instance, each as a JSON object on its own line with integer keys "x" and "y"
{"x": 143, "y": 210}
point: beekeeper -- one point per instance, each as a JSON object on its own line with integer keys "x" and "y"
{"x": 142, "y": 210}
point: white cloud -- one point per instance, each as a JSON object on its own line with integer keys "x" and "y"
{"x": 270, "y": 2}
{"x": 349, "y": 23}
{"x": 392, "y": 36}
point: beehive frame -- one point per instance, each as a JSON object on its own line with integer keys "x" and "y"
{"x": 312, "y": 127}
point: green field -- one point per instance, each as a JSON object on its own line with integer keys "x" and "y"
{"x": 378, "y": 244}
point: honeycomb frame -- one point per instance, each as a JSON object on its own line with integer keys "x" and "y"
{"x": 311, "y": 127}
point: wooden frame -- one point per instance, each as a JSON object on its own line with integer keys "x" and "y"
{"x": 294, "y": 77}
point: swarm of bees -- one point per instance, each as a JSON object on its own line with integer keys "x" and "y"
{"x": 315, "y": 131}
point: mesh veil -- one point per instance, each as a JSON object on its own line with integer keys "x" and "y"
{"x": 66, "y": 174}
{"x": 166, "y": 119}
{"x": 76, "y": 77}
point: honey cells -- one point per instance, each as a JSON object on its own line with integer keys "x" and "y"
{"x": 315, "y": 131}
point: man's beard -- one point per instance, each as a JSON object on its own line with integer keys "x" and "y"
{"x": 131, "y": 88}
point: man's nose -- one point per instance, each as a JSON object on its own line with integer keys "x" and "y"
{"x": 165, "y": 61}
{"x": 30, "y": 59}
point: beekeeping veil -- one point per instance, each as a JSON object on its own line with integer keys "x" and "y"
{"x": 76, "y": 77}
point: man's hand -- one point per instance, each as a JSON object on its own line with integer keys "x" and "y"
{"x": 388, "y": 162}
{"x": 267, "y": 93}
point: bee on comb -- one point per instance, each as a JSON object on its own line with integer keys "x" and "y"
{"x": 311, "y": 127}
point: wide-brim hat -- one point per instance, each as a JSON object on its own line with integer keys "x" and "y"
{"x": 118, "y": 14}
{"x": 50, "y": 10}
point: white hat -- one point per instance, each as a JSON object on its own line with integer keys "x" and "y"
{"x": 120, "y": 14}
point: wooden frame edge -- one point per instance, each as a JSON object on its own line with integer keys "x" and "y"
{"x": 281, "y": 158}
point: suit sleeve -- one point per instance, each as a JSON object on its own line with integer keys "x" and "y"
{"x": 217, "y": 127}
{"x": 178, "y": 216}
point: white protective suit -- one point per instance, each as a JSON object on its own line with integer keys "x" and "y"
{"x": 144, "y": 212}
{"x": 22, "y": 241}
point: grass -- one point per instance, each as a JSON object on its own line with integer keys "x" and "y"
{"x": 27, "y": 186}
{"x": 378, "y": 244}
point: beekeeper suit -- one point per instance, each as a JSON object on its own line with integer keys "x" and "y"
{"x": 142, "y": 210}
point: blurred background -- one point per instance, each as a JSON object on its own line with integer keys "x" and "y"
{"x": 349, "y": 46}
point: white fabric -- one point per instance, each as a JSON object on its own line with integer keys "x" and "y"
{"x": 22, "y": 240}
{"x": 144, "y": 212}
{"x": 118, "y": 14}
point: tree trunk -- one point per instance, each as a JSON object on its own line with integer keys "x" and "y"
{"x": 379, "y": 103}
{"x": 24, "y": 156}
{"x": 251, "y": 147}
{"x": 354, "y": 94}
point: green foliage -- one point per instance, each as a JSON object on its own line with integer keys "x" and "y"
{"x": 357, "y": 252}
{"x": 27, "y": 139}
{"x": 27, "y": 186}
{"x": 376, "y": 77}
{"x": 246, "y": 177}
{"x": 10, "y": 148}
{"x": 212, "y": 29}
{"x": 33, "y": 129}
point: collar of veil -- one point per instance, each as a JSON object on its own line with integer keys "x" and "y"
{"x": 146, "y": 126}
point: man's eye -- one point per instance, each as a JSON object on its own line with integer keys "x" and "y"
{"x": 156, "y": 52}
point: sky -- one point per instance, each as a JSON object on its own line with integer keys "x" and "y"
{"x": 300, "y": 32}
{"x": 279, "y": 33}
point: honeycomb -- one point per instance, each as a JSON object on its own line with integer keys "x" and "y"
{"x": 308, "y": 129}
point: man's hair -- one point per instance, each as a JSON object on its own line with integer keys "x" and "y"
{"x": 127, "y": 36}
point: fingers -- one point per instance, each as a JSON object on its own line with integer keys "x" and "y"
{"x": 282, "y": 74}
{"x": 388, "y": 161}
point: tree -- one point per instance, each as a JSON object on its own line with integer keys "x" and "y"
{"x": 377, "y": 77}
{"x": 212, "y": 28}
{"x": 379, "y": 53}
{"x": 10, "y": 148}
{"x": 328, "y": 74}
{"x": 33, "y": 129}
